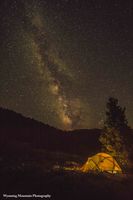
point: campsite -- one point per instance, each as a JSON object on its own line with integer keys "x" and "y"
{"x": 44, "y": 164}
{"x": 66, "y": 99}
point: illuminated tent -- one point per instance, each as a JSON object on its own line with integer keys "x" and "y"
{"x": 102, "y": 162}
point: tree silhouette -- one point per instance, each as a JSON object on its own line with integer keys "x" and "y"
{"x": 112, "y": 138}
{"x": 115, "y": 115}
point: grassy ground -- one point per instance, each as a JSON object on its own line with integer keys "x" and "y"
{"x": 29, "y": 172}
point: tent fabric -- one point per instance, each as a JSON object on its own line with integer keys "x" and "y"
{"x": 102, "y": 162}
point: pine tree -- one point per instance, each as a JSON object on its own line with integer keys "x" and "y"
{"x": 112, "y": 138}
{"x": 115, "y": 115}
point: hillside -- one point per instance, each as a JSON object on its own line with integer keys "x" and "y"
{"x": 15, "y": 127}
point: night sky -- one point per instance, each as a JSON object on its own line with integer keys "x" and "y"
{"x": 61, "y": 60}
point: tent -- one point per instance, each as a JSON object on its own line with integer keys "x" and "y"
{"x": 102, "y": 162}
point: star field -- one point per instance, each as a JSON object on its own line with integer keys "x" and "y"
{"x": 61, "y": 60}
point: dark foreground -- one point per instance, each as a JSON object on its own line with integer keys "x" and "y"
{"x": 66, "y": 185}
{"x": 27, "y": 176}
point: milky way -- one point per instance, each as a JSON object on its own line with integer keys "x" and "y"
{"x": 61, "y": 60}
{"x": 52, "y": 70}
